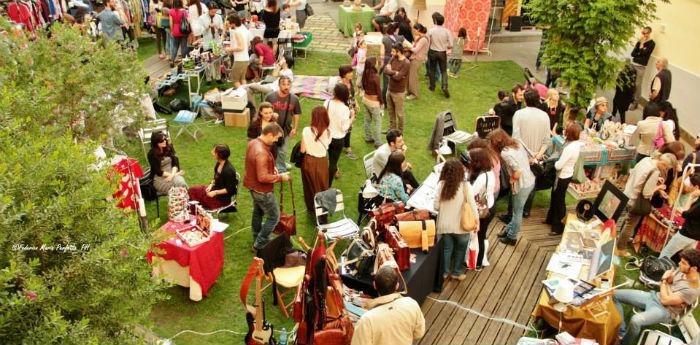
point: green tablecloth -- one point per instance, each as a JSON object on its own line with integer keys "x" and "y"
{"x": 348, "y": 16}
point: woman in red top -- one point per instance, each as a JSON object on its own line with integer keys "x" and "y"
{"x": 264, "y": 52}
{"x": 179, "y": 39}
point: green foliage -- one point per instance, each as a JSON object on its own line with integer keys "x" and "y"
{"x": 69, "y": 82}
{"x": 72, "y": 266}
{"x": 583, "y": 37}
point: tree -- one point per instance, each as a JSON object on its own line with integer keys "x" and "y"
{"x": 72, "y": 265}
{"x": 67, "y": 82}
{"x": 583, "y": 37}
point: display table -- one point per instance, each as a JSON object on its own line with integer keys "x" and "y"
{"x": 654, "y": 229}
{"x": 348, "y": 16}
{"x": 195, "y": 267}
{"x": 580, "y": 321}
{"x": 423, "y": 271}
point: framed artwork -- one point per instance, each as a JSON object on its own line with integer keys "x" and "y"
{"x": 610, "y": 202}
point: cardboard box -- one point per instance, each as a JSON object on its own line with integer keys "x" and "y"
{"x": 237, "y": 119}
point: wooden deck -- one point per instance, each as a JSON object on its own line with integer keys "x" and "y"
{"x": 507, "y": 289}
{"x": 156, "y": 67}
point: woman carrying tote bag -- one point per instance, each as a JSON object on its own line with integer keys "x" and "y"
{"x": 315, "y": 140}
{"x": 451, "y": 194}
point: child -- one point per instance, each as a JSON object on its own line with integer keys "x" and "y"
{"x": 457, "y": 51}
{"x": 360, "y": 58}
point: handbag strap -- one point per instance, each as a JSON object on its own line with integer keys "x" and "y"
{"x": 291, "y": 191}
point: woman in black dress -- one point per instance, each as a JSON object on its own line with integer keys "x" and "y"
{"x": 271, "y": 17}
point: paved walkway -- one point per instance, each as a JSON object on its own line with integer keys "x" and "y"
{"x": 326, "y": 35}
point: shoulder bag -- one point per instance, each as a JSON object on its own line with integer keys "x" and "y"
{"x": 659, "y": 139}
{"x": 468, "y": 220}
{"x": 288, "y": 222}
{"x": 309, "y": 10}
{"x": 642, "y": 206}
{"x": 185, "y": 27}
{"x": 482, "y": 203}
{"x": 418, "y": 234}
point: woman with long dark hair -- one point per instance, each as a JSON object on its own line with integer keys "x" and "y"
{"x": 565, "y": 171}
{"x": 669, "y": 116}
{"x": 449, "y": 198}
{"x": 266, "y": 115}
{"x": 315, "y": 140}
{"x": 179, "y": 39}
{"x": 373, "y": 101}
{"x": 196, "y": 10}
{"x": 165, "y": 167}
{"x": 483, "y": 183}
{"x": 401, "y": 19}
{"x": 222, "y": 187}
{"x": 340, "y": 121}
{"x": 391, "y": 185}
{"x": 522, "y": 180}
{"x": 419, "y": 55}
{"x": 271, "y": 17}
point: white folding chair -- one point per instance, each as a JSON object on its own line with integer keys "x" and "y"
{"x": 452, "y": 135}
{"x": 344, "y": 227}
{"x": 232, "y": 206}
{"x": 157, "y": 125}
{"x": 653, "y": 337}
{"x": 368, "y": 160}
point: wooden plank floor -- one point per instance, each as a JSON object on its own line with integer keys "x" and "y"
{"x": 507, "y": 289}
{"x": 156, "y": 67}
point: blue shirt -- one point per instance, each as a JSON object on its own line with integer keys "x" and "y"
{"x": 391, "y": 187}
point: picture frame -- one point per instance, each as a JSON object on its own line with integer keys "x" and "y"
{"x": 610, "y": 202}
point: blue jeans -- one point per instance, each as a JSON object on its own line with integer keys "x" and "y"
{"x": 653, "y": 312}
{"x": 179, "y": 43}
{"x": 281, "y": 161}
{"x": 677, "y": 243}
{"x": 373, "y": 124}
{"x": 513, "y": 228}
{"x": 264, "y": 204}
{"x": 454, "y": 249}
{"x": 455, "y": 65}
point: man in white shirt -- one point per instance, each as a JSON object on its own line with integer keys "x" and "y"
{"x": 386, "y": 13}
{"x": 440, "y": 45}
{"x": 531, "y": 127}
{"x": 394, "y": 141}
{"x": 212, "y": 26}
{"x": 391, "y": 318}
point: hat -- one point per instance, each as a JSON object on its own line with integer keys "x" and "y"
{"x": 600, "y": 100}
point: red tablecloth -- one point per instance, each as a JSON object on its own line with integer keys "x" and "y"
{"x": 205, "y": 260}
{"x": 652, "y": 232}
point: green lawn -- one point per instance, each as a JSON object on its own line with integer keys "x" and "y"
{"x": 473, "y": 93}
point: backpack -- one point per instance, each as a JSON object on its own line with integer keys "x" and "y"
{"x": 185, "y": 27}
{"x": 653, "y": 269}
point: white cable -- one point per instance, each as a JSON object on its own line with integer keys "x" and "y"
{"x": 506, "y": 321}
{"x": 236, "y": 232}
{"x": 167, "y": 340}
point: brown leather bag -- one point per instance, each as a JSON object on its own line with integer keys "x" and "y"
{"x": 385, "y": 213}
{"x": 412, "y": 215}
{"x": 418, "y": 234}
{"x": 288, "y": 222}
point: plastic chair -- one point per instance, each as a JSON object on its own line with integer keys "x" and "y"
{"x": 341, "y": 228}
{"x": 653, "y": 337}
{"x": 368, "y": 160}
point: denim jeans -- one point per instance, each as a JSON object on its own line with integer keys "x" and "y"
{"x": 454, "y": 249}
{"x": 438, "y": 76}
{"x": 179, "y": 43}
{"x": 677, "y": 243}
{"x": 528, "y": 203}
{"x": 281, "y": 160}
{"x": 455, "y": 65}
{"x": 168, "y": 42}
{"x": 373, "y": 124}
{"x": 264, "y": 204}
{"x": 653, "y": 312}
{"x": 513, "y": 228}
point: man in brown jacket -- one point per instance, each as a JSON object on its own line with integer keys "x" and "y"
{"x": 260, "y": 177}
{"x": 397, "y": 69}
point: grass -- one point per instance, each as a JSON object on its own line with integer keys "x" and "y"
{"x": 472, "y": 93}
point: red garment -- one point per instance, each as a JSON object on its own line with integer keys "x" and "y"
{"x": 177, "y": 15}
{"x": 199, "y": 193}
{"x": 205, "y": 261}
{"x": 127, "y": 189}
{"x": 264, "y": 51}
{"x": 20, "y": 13}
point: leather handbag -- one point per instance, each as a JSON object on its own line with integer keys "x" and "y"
{"x": 402, "y": 253}
{"x": 468, "y": 221}
{"x": 384, "y": 214}
{"x": 482, "y": 205}
{"x": 412, "y": 215}
{"x": 386, "y": 258}
{"x": 418, "y": 234}
{"x": 360, "y": 258}
{"x": 288, "y": 222}
{"x": 297, "y": 157}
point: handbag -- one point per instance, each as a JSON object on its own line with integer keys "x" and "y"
{"x": 418, "y": 234}
{"x": 177, "y": 205}
{"x": 386, "y": 258}
{"x": 579, "y": 174}
{"x": 384, "y": 214}
{"x": 309, "y": 10}
{"x": 185, "y": 27}
{"x": 288, "y": 222}
{"x": 468, "y": 219}
{"x": 412, "y": 216}
{"x": 360, "y": 257}
{"x": 482, "y": 204}
{"x": 297, "y": 157}
{"x": 401, "y": 251}
{"x": 659, "y": 138}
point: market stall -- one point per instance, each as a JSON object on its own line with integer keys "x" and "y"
{"x": 349, "y": 15}
{"x": 583, "y": 261}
